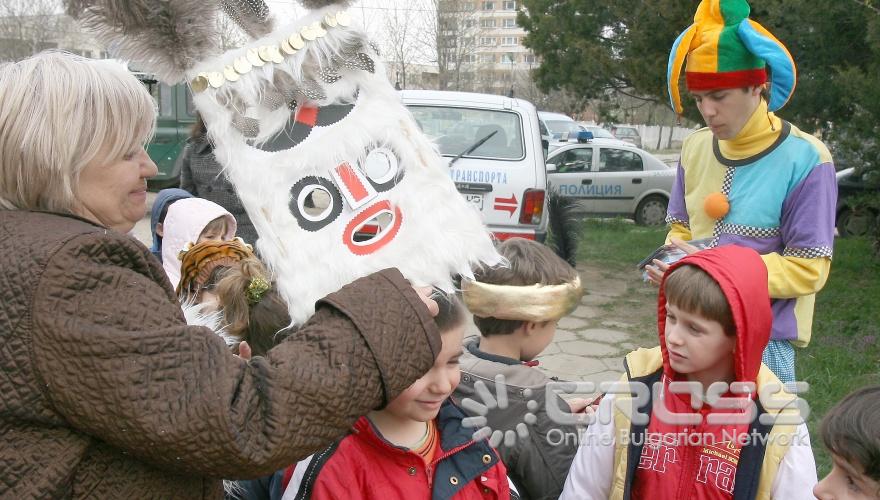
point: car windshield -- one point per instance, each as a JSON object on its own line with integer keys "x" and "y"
{"x": 455, "y": 130}
{"x": 563, "y": 126}
{"x": 601, "y": 133}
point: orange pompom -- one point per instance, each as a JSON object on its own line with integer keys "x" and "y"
{"x": 716, "y": 205}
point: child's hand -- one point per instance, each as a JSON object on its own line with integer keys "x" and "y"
{"x": 579, "y": 405}
{"x": 656, "y": 272}
{"x": 244, "y": 351}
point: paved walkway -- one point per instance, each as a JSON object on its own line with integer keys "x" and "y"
{"x": 591, "y": 342}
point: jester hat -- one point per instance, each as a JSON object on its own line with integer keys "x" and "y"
{"x": 725, "y": 49}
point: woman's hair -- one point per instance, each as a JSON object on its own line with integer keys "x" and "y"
{"x": 851, "y": 430}
{"x": 452, "y": 311}
{"x": 253, "y": 310}
{"x": 691, "y": 289}
{"x": 58, "y": 113}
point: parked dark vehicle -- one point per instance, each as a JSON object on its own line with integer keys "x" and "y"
{"x": 176, "y": 116}
{"x": 853, "y": 218}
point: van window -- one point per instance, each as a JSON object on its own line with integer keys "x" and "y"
{"x": 166, "y": 101}
{"x": 190, "y": 105}
{"x": 457, "y": 129}
{"x": 562, "y": 126}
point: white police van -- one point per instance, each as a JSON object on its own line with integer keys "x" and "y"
{"x": 493, "y": 148}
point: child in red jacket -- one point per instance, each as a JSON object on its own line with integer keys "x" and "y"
{"x": 700, "y": 417}
{"x": 414, "y": 448}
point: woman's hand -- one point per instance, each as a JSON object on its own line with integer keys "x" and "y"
{"x": 425, "y": 294}
{"x": 656, "y": 272}
{"x": 244, "y": 351}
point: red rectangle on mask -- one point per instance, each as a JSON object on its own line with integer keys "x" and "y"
{"x": 352, "y": 182}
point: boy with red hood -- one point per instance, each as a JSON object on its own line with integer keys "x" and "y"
{"x": 714, "y": 321}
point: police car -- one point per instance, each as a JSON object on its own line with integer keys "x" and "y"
{"x": 492, "y": 145}
{"x": 609, "y": 179}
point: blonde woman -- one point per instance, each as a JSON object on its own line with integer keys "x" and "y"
{"x": 106, "y": 392}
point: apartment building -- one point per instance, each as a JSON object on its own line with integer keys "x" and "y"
{"x": 500, "y": 59}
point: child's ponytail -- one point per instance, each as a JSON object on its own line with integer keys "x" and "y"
{"x": 252, "y": 307}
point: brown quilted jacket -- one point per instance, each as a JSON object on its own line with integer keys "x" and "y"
{"x": 106, "y": 393}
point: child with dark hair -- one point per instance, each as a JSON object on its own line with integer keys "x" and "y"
{"x": 414, "y": 448}
{"x": 516, "y": 308}
{"x": 851, "y": 432}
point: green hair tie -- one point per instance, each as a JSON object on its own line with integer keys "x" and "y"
{"x": 256, "y": 289}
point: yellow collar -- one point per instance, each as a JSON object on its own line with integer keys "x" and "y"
{"x": 756, "y": 136}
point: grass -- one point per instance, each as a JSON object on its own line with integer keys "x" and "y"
{"x": 617, "y": 243}
{"x": 844, "y": 353}
{"x": 616, "y": 246}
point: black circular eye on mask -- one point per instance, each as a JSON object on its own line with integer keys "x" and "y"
{"x": 315, "y": 202}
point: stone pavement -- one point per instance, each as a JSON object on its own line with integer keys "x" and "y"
{"x": 591, "y": 342}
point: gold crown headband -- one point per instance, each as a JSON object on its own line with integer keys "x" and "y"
{"x": 525, "y": 303}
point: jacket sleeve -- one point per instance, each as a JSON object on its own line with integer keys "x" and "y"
{"x": 541, "y": 462}
{"x": 790, "y": 277}
{"x": 592, "y": 470}
{"x": 118, "y": 363}
{"x": 807, "y": 229}
{"x": 185, "y": 169}
{"x": 796, "y": 475}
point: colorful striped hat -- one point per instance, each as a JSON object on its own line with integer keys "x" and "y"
{"x": 725, "y": 49}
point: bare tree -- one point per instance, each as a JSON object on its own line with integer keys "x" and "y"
{"x": 451, "y": 36}
{"x": 401, "y": 28}
{"x": 231, "y": 35}
{"x": 30, "y": 26}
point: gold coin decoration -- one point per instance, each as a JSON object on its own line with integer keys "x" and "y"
{"x": 253, "y": 57}
{"x": 215, "y": 79}
{"x": 230, "y": 74}
{"x": 263, "y": 52}
{"x": 199, "y": 84}
{"x": 241, "y": 65}
{"x": 296, "y": 41}
{"x": 256, "y": 57}
{"x": 275, "y": 55}
{"x": 285, "y": 46}
{"x": 308, "y": 34}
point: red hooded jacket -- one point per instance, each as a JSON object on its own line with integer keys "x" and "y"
{"x": 365, "y": 465}
{"x": 699, "y": 459}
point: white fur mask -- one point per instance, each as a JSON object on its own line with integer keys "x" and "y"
{"x": 319, "y": 145}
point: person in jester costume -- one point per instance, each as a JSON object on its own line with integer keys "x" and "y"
{"x": 749, "y": 177}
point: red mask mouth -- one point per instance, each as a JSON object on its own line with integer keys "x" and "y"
{"x": 374, "y": 227}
